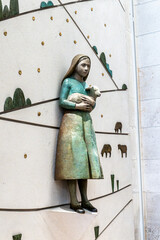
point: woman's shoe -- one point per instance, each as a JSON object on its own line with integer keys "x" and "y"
{"x": 77, "y": 208}
{"x": 89, "y": 206}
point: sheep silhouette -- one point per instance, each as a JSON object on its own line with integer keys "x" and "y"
{"x": 123, "y": 149}
{"x": 107, "y": 149}
{"x": 118, "y": 127}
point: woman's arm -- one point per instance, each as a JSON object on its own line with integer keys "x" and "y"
{"x": 68, "y": 104}
{"x": 64, "y": 95}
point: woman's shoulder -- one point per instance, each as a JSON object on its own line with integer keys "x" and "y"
{"x": 68, "y": 81}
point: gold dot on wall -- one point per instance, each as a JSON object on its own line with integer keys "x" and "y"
{"x": 5, "y": 33}
{"x": 75, "y": 41}
{"x": 51, "y": 18}
{"x": 75, "y": 12}
{"x": 38, "y": 70}
{"x": 102, "y": 74}
{"x": 60, "y": 34}
{"x": 110, "y": 55}
{"x": 67, "y": 20}
{"x": 105, "y": 25}
{"x": 91, "y": 9}
{"x": 39, "y": 114}
{"x": 25, "y": 155}
{"x": 33, "y": 18}
{"x": 101, "y": 115}
{"x": 88, "y": 36}
{"x": 42, "y": 43}
{"x": 20, "y": 72}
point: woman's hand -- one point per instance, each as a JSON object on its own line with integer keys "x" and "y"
{"x": 88, "y": 100}
{"x": 84, "y": 107}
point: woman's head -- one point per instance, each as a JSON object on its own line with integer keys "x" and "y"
{"x": 81, "y": 65}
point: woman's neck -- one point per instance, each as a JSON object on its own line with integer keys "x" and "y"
{"x": 78, "y": 77}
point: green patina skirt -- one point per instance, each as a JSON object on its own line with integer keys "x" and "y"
{"x": 77, "y": 155}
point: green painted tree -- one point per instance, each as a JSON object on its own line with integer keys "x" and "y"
{"x": 103, "y": 58}
{"x": 28, "y": 102}
{"x": 96, "y": 231}
{"x": 124, "y": 87}
{"x": 8, "y": 105}
{"x": 95, "y": 49}
{"x": 1, "y": 10}
{"x": 18, "y": 98}
{"x": 50, "y": 4}
{"x": 5, "y": 12}
{"x": 17, "y": 237}
{"x": 14, "y": 8}
{"x": 43, "y": 5}
{"x": 112, "y": 182}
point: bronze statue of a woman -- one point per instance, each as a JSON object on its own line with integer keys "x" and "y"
{"x": 77, "y": 156}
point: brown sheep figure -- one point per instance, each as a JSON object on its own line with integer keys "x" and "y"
{"x": 123, "y": 149}
{"x": 106, "y": 149}
{"x": 118, "y": 127}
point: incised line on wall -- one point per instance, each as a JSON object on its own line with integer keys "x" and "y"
{"x": 62, "y": 205}
{"x": 114, "y": 218}
{"x": 51, "y": 127}
{"x": 63, "y": 5}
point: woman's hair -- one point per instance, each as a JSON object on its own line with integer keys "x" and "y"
{"x": 75, "y": 61}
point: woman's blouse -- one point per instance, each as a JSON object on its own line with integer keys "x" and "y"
{"x": 70, "y": 86}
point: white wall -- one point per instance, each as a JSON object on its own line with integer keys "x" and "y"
{"x": 28, "y": 183}
{"x": 147, "y": 19}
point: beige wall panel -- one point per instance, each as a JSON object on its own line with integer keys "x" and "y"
{"x": 110, "y": 39}
{"x": 110, "y": 108}
{"x": 29, "y": 182}
{"x": 21, "y": 42}
{"x": 33, "y": 179}
{"x": 28, "y": 5}
{"x": 50, "y": 114}
{"x": 120, "y": 167}
{"x": 48, "y": 223}
{"x": 108, "y": 207}
{"x": 122, "y": 227}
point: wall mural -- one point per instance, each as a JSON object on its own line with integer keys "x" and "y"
{"x": 48, "y": 4}
{"x": 118, "y": 127}
{"x": 81, "y": 161}
{"x": 18, "y": 101}
{"x": 17, "y": 237}
{"x": 107, "y": 149}
{"x": 106, "y": 65}
{"x": 11, "y": 11}
{"x": 112, "y": 181}
{"x": 96, "y": 231}
{"x": 123, "y": 149}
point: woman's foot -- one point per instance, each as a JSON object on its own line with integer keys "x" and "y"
{"x": 89, "y": 206}
{"x": 77, "y": 208}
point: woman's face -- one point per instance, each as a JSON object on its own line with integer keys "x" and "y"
{"x": 83, "y": 67}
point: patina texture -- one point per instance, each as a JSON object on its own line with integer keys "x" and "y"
{"x": 77, "y": 155}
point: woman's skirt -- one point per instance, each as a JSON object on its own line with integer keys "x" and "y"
{"x": 77, "y": 155}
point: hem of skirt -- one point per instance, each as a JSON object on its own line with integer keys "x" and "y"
{"x": 78, "y": 178}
